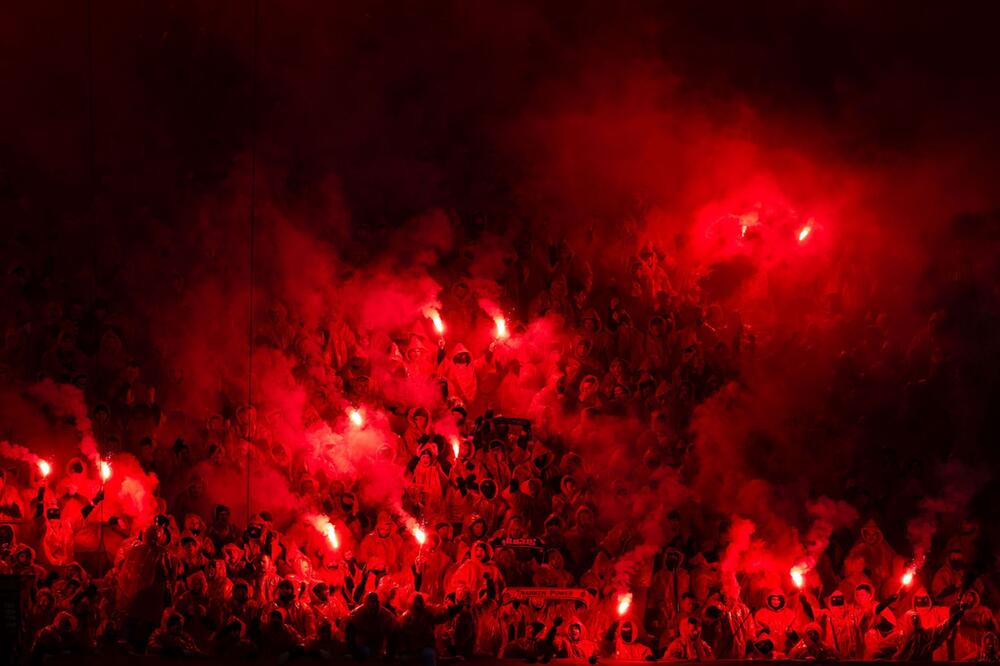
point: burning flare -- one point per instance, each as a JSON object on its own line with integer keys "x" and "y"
{"x": 798, "y": 574}
{"x": 331, "y": 536}
{"x": 805, "y": 231}
{"x": 624, "y": 603}
{"x": 436, "y": 320}
{"x": 501, "y": 330}
{"x": 456, "y": 446}
{"x": 105, "y": 470}
{"x": 44, "y": 468}
{"x": 356, "y": 417}
{"x": 420, "y": 535}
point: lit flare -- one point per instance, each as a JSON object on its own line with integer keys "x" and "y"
{"x": 44, "y": 468}
{"x": 105, "y": 470}
{"x": 501, "y": 327}
{"x": 624, "y": 603}
{"x": 356, "y": 417}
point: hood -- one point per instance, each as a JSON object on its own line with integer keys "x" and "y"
{"x": 635, "y": 631}
{"x": 872, "y": 528}
{"x": 675, "y": 552}
{"x": 776, "y": 592}
{"x": 472, "y": 519}
{"x": 75, "y": 461}
{"x": 591, "y": 314}
{"x": 167, "y": 614}
{"x": 459, "y": 348}
{"x": 412, "y": 415}
{"x": 65, "y": 615}
{"x": 920, "y": 592}
{"x": 384, "y": 520}
{"x": 553, "y": 518}
{"x": 484, "y": 544}
{"x": 576, "y": 621}
{"x": 565, "y": 482}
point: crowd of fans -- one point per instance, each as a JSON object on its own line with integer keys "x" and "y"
{"x": 500, "y": 544}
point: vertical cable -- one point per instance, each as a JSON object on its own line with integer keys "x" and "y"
{"x": 253, "y": 234}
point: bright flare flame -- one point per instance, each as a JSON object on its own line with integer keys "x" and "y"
{"x": 501, "y": 325}
{"x": 44, "y": 467}
{"x": 356, "y": 417}
{"x": 798, "y": 574}
{"x": 907, "y": 577}
{"x": 804, "y": 233}
{"x": 105, "y": 470}
{"x": 331, "y": 536}
{"x": 419, "y": 535}
{"x": 436, "y": 320}
{"x": 456, "y": 446}
{"x": 624, "y": 603}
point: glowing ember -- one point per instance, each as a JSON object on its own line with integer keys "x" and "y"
{"x": 44, "y": 467}
{"x": 798, "y": 574}
{"x": 624, "y": 603}
{"x": 105, "y": 470}
{"x": 331, "y": 536}
{"x": 356, "y": 417}
{"x": 804, "y": 233}
{"x": 419, "y": 535}
{"x": 501, "y": 325}
{"x": 436, "y": 320}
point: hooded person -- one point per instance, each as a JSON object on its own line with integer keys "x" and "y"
{"x": 474, "y": 530}
{"x": 428, "y": 479}
{"x": 621, "y": 641}
{"x": 669, "y": 585}
{"x": 196, "y": 606}
{"x": 948, "y": 581}
{"x": 811, "y": 646}
{"x": 62, "y": 636}
{"x": 989, "y": 649}
{"x": 973, "y": 628}
{"x": 382, "y": 543}
{"x": 689, "y": 645}
{"x": 478, "y": 572}
{"x": 277, "y": 637}
{"x": 369, "y": 628}
{"x": 297, "y": 614}
{"x": 489, "y": 504}
{"x": 581, "y": 540}
{"x": 416, "y": 630}
{"x": 915, "y": 641}
{"x": 328, "y": 605}
{"x": 420, "y": 359}
{"x": 931, "y": 614}
{"x": 142, "y": 579}
{"x": 417, "y": 432}
{"x": 778, "y": 619}
{"x": 876, "y": 553}
{"x": 552, "y": 572}
{"x": 242, "y": 606}
{"x": 842, "y": 626}
{"x": 575, "y": 644}
{"x": 460, "y": 372}
{"x": 170, "y": 639}
{"x": 12, "y": 506}
{"x": 730, "y": 622}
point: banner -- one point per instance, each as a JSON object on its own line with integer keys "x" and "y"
{"x": 557, "y": 593}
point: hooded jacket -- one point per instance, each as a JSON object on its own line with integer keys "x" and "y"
{"x": 687, "y": 646}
